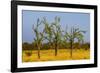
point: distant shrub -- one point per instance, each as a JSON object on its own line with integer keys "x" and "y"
{"x": 28, "y": 53}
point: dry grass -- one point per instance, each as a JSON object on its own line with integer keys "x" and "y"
{"x": 49, "y": 55}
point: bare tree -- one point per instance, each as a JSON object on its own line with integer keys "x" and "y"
{"x": 38, "y": 36}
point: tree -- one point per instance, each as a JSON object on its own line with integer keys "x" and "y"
{"x": 57, "y": 32}
{"x": 38, "y": 36}
{"x": 74, "y": 33}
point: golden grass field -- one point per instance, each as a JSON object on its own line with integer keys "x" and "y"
{"x": 49, "y": 55}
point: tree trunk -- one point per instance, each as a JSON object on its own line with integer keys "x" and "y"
{"x": 56, "y": 47}
{"x": 71, "y": 48}
{"x": 38, "y": 52}
{"x": 55, "y": 51}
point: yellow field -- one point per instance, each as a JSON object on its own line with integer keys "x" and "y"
{"x": 49, "y": 55}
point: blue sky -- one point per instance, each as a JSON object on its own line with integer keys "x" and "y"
{"x": 29, "y": 18}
